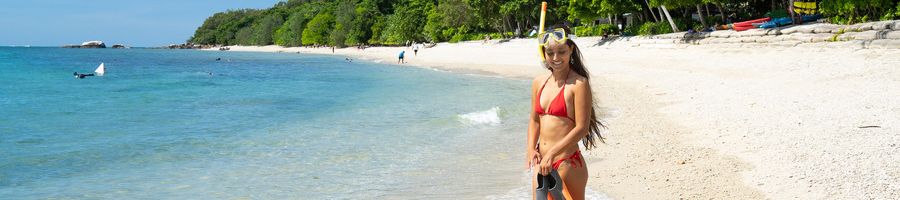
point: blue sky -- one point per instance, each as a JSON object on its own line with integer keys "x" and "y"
{"x": 132, "y": 23}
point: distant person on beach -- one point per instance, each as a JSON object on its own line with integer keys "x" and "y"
{"x": 562, "y": 115}
{"x": 415, "y": 49}
{"x": 81, "y": 76}
{"x": 400, "y": 59}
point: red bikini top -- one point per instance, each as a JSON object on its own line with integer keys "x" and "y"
{"x": 557, "y": 107}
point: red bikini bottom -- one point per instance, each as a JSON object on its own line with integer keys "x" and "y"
{"x": 575, "y": 160}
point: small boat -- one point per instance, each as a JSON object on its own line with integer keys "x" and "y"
{"x": 750, "y": 22}
{"x": 100, "y": 70}
{"x": 743, "y": 28}
{"x": 776, "y": 22}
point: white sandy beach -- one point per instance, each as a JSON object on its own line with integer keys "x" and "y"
{"x": 717, "y": 121}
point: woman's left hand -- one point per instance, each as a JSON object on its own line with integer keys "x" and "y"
{"x": 547, "y": 161}
{"x": 533, "y": 158}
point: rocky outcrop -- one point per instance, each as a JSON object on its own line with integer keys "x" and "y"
{"x": 119, "y": 46}
{"x": 189, "y": 46}
{"x": 93, "y": 44}
{"x": 88, "y": 44}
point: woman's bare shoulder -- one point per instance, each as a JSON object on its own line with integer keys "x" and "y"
{"x": 580, "y": 81}
{"x": 539, "y": 79}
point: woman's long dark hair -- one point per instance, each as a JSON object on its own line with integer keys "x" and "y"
{"x": 577, "y": 65}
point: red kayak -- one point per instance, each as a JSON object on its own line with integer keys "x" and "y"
{"x": 743, "y": 28}
{"x": 750, "y": 22}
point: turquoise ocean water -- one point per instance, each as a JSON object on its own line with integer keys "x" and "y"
{"x": 178, "y": 124}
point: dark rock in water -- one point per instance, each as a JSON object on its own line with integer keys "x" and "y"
{"x": 119, "y": 46}
{"x": 188, "y": 46}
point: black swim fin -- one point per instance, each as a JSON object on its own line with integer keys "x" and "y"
{"x": 555, "y": 188}
{"x": 543, "y": 188}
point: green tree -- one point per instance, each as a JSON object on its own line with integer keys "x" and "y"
{"x": 516, "y": 14}
{"x": 675, "y": 4}
{"x": 265, "y": 29}
{"x": 344, "y": 14}
{"x": 221, "y": 28}
{"x": 366, "y": 13}
{"x": 446, "y": 19}
{"x": 486, "y": 13}
{"x": 854, "y": 11}
{"x": 317, "y": 30}
{"x": 583, "y": 10}
{"x": 291, "y": 31}
{"x": 434, "y": 25}
{"x": 244, "y": 36}
{"x": 377, "y": 29}
{"x": 407, "y": 21}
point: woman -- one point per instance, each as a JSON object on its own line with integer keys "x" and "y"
{"x": 563, "y": 114}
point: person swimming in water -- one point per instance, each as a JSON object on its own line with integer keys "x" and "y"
{"x": 81, "y": 76}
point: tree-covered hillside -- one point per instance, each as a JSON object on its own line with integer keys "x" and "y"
{"x": 393, "y": 22}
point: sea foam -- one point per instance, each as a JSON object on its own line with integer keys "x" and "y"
{"x": 490, "y": 117}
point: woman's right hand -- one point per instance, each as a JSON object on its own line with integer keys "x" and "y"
{"x": 532, "y": 157}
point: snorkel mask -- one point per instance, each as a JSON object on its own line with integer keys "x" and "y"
{"x": 557, "y": 34}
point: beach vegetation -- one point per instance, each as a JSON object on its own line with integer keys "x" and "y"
{"x": 289, "y": 34}
{"x": 461, "y": 37}
{"x": 448, "y": 19}
{"x": 855, "y": 11}
{"x": 654, "y": 28}
{"x": 377, "y": 28}
{"x": 344, "y": 15}
{"x": 264, "y": 30}
{"x": 599, "y": 30}
{"x": 892, "y": 14}
{"x": 366, "y": 13}
{"x": 407, "y": 22}
{"x": 223, "y": 27}
{"x": 318, "y": 29}
{"x": 400, "y": 22}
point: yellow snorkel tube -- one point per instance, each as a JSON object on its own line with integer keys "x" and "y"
{"x": 541, "y": 31}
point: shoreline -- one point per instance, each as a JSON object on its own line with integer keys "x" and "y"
{"x": 716, "y": 121}
{"x": 435, "y": 58}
